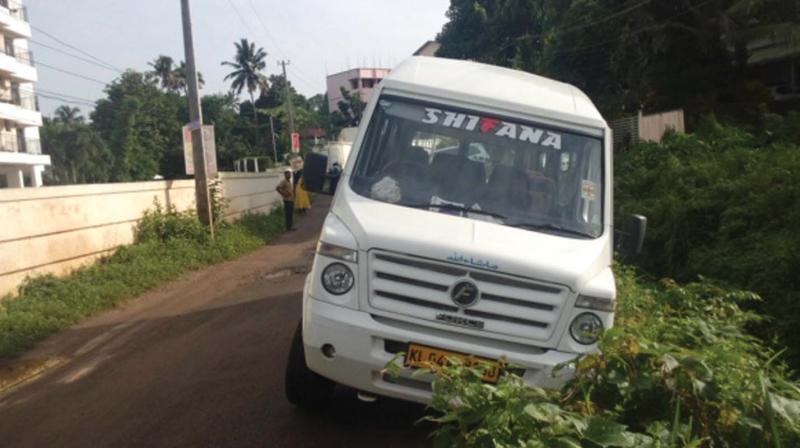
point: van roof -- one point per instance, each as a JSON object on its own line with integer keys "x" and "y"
{"x": 495, "y": 84}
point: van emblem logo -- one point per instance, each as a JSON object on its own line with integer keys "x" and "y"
{"x": 465, "y": 294}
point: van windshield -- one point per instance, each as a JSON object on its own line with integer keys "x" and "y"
{"x": 478, "y": 166}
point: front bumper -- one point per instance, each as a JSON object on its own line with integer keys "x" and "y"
{"x": 360, "y": 342}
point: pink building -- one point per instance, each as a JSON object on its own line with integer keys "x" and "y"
{"x": 362, "y": 80}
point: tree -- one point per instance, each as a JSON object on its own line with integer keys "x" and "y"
{"x": 163, "y": 71}
{"x": 141, "y": 124}
{"x": 171, "y": 77}
{"x": 67, "y": 116}
{"x": 248, "y": 63}
{"x": 180, "y": 78}
{"x": 351, "y": 108}
{"x": 78, "y": 154}
{"x": 626, "y": 56}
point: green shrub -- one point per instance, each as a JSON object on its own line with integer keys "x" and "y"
{"x": 168, "y": 245}
{"x": 162, "y": 225}
{"x": 678, "y": 370}
{"x": 725, "y": 204}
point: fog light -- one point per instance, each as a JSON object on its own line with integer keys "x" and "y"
{"x": 328, "y": 351}
{"x": 337, "y": 279}
{"x": 586, "y": 328}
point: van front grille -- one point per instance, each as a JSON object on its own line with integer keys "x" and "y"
{"x": 420, "y": 288}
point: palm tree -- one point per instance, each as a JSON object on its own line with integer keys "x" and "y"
{"x": 247, "y": 64}
{"x": 163, "y": 71}
{"x": 68, "y": 116}
{"x": 179, "y": 78}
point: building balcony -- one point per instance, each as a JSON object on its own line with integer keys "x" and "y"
{"x": 17, "y": 64}
{"x": 17, "y": 144}
{"x": 14, "y": 19}
{"x": 20, "y": 107}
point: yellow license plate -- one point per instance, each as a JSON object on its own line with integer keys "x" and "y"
{"x": 420, "y": 356}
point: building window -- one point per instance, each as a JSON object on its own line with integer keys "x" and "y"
{"x": 354, "y": 83}
{"x": 368, "y": 83}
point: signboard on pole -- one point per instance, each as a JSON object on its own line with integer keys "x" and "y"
{"x": 295, "y": 142}
{"x": 209, "y": 145}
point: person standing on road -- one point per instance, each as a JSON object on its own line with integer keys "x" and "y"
{"x": 286, "y": 191}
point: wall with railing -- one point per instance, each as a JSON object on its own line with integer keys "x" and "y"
{"x": 56, "y": 229}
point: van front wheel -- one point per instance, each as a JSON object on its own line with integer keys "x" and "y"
{"x": 304, "y": 387}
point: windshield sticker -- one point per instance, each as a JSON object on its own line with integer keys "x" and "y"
{"x": 488, "y": 125}
{"x": 588, "y": 190}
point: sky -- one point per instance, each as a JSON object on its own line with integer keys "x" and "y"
{"x": 318, "y": 37}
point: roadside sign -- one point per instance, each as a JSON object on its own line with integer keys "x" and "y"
{"x": 210, "y": 148}
{"x": 295, "y": 142}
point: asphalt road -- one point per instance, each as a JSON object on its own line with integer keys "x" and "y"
{"x": 198, "y": 362}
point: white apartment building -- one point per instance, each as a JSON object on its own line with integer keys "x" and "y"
{"x": 21, "y": 158}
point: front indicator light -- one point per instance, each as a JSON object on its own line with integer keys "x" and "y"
{"x": 596, "y": 303}
{"x": 586, "y": 328}
{"x": 334, "y": 251}
{"x": 337, "y": 279}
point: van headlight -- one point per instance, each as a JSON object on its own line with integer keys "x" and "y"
{"x": 586, "y": 328}
{"x": 337, "y": 279}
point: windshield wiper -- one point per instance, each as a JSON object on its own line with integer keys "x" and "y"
{"x": 548, "y": 227}
{"x": 458, "y": 208}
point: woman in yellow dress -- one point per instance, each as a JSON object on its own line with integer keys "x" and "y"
{"x": 302, "y": 201}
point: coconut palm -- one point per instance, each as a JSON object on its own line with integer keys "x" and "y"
{"x": 68, "y": 116}
{"x": 247, "y": 64}
{"x": 163, "y": 71}
{"x": 179, "y": 77}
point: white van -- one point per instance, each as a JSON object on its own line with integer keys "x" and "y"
{"x": 431, "y": 251}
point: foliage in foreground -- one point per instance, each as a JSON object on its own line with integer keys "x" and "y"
{"x": 168, "y": 244}
{"x": 678, "y": 370}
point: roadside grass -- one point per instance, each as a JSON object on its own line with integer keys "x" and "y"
{"x": 678, "y": 370}
{"x": 168, "y": 244}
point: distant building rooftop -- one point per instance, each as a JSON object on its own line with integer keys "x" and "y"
{"x": 429, "y": 48}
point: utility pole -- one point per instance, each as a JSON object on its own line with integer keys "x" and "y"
{"x": 289, "y": 105}
{"x": 274, "y": 148}
{"x": 203, "y": 199}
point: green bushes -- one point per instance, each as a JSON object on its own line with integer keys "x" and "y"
{"x": 162, "y": 225}
{"x": 168, "y": 244}
{"x": 678, "y": 370}
{"x": 724, "y": 203}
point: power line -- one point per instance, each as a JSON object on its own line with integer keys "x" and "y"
{"x": 85, "y": 53}
{"x": 77, "y": 75}
{"x": 50, "y": 92}
{"x": 298, "y": 72}
{"x": 64, "y": 100}
{"x": 241, "y": 17}
{"x": 251, "y": 31}
{"x": 632, "y": 33}
{"x": 266, "y": 30}
{"x": 604, "y": 19}
{"x": 585, "y": 25}
{"x": 88, "y": 61}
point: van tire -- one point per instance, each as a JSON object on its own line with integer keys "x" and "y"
{"x": 304, "y": 387}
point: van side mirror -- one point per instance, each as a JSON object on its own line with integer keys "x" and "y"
{"x": 633, "y": 238}
{"x": 315, "y": 174}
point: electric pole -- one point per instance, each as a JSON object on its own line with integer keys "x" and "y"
{"x": 274, "y": 148}
{"x": 204, "y": 211}
{"x": 289, "y": 105}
